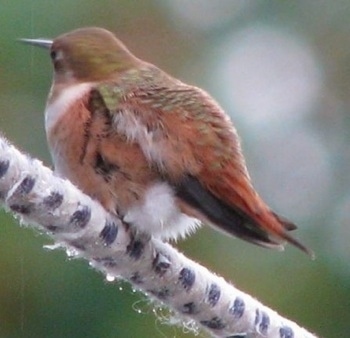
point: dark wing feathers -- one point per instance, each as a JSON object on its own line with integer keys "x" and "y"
{"x": 204, "y": 148}
{"x": 231, "y": 219}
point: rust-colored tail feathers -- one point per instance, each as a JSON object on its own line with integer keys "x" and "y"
{"x": 267, "y": 229}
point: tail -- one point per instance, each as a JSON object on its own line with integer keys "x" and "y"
{"x": 266, "y": 229}
{"x": 289, "y": 226}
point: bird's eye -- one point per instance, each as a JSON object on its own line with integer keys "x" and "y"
{"x": 53, "y": 55}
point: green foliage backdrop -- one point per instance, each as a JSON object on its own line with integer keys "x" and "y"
{"x": 281, "y": 70}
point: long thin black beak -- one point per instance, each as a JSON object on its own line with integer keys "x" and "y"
{"x": 43, "y": 43}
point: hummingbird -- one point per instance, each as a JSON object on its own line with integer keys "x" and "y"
{"x": 159, "y": 153}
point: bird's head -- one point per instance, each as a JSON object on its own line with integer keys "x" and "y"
{"x": 86, "y": 54}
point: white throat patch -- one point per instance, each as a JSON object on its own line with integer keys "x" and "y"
{"x": 55, "y": 110}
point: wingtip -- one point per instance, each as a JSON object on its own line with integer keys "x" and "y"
{"x": 312, "y": 254}
{"x": 289, "y": 226}
{"x": 299, "y": 245}
{"x": 308, "y": 251}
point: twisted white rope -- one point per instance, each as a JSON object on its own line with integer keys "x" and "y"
{"x": 75, "y": 221}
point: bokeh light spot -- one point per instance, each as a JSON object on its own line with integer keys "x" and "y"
{"x": 266, "y": 75}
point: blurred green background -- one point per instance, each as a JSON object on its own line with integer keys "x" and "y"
{"x": 281, "y": 69}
